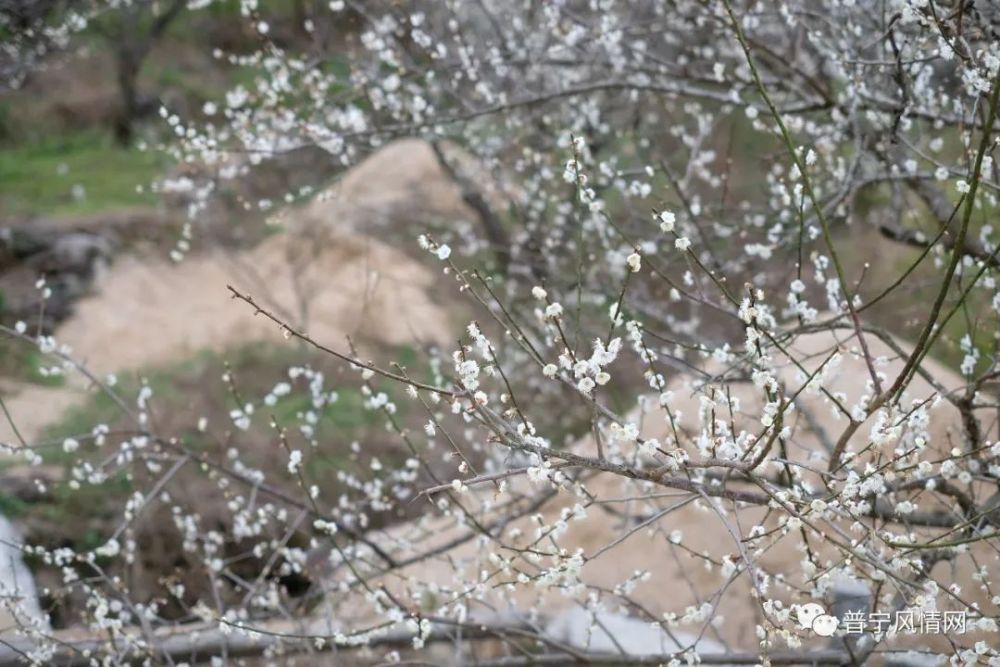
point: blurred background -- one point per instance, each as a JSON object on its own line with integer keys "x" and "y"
{"x": 97, "y": 249}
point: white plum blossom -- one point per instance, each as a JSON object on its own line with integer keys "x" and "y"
{"x": 294, "y": 461}
{"x": 667, "y": 220}
{"x": 802, "y": 405}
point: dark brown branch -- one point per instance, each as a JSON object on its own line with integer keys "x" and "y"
{"x": 473, "y": 196}
{"x": 354, "y": 361}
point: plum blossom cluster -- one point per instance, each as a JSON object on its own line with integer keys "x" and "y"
{"x": 686, "y": 399}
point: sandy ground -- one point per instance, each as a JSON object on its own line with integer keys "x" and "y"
{"x": 150, "y": 312}
{"x": 402, "y": 181}
{"x": 324, "y": 275}
{"x": 614, "y": 552}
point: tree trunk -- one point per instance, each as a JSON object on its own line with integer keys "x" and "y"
{"x": 128, "y": 73}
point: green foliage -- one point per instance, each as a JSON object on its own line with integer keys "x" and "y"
{"x": 184, "y": 391}
{"x": 193, "y": 387}
{"x": 39, "y": 177}
{"x": 22, "y": 362}
{"x": 12, "y": 506}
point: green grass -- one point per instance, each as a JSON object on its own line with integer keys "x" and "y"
{"x": 22, "y": 362}
{"x": 39, "y": 177}
{"x": 188, "y": 389}
{"x": 12, "y": 506}
{"x": 193, "y": 387}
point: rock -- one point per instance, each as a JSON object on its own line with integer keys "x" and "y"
{"x": 70, "y": 252}
{"x": 74, "y": 253}
{"x": 68, "y": 262}
{"x": 18, "y": 597}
